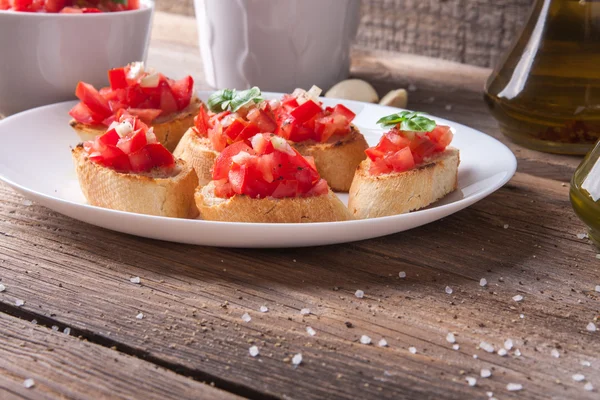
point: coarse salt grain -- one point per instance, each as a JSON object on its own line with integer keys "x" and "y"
{"x": 450, "y": 337}
{"x": 382, "y": 343}
{"x": 475, "y": 356}
{"x": 513, "y": 387}
{"x": 264, "y": 309}
{"x": 28, "y": 383}
{"x": 485, "y": 346}
{"x": 140, "y": 316}
{"x": 585, "y": 363}
{"x": 402, "y": 275}
{"x": 305, "y": 311}
{"x": 582, "y": 235}
{"x": 2, "y": 288}
{"x": 27, "y": 203}
{"x": 588, "y": 386}
{"x": 412, "y": 350}
{"x": 471, "y": 381}
{"x": 505, "y": 226}
{"x": 502, "y": 352}
{"x": 246, "y": 317}
{"x": 359, "y": 293}
{"x": 489, "y": 394}
{"x": 597, "y": 288}
{"x": 55, "y": 328}
{"x": 253, "y": 351}
{"x": 591, "y": 327}
{"x": 518, "y": 353}
{"x": 555, "y": 353}
{"x": 508, "y": 344}
{"x": 522, "y": 316}
{"x": 483, "y": 282}
{"x": 518, "y": 298}
{"x": 598, "y": 256}
{"x": 135, "y": 279}
{"x": 485, "y": 373}
{"x": 578, "y": 377}
{"x": 297, "y": 359}
{"x": 310, "y": 331}
{"x": 34, "y": 321}
{"x": 449, "y": 290}
{"x": 67, "y": 331}
{"x": 19, "y": 302}
{"x": 456, "y": 347}
{"x": 364, "y": 339}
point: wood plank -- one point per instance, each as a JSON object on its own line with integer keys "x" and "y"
{"x": 193, "y": 299}
{"x": 64, "y": 366}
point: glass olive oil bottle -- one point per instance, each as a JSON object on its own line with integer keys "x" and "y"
{"x": 585, "y": 193}
{"x": 546, "y": 93}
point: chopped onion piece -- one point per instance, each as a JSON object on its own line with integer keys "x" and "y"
{"x": 228, "y": 120}
{"x": 241, "y": 158}
{"x": 150, "y": 136}
{"x": 124, "y": 129}
{"x": 150, "y": 81}
{"x": 136, "y": 69}
{"x": 282, "y": 145}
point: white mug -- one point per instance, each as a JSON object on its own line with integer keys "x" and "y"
{"x": 277, "y": 45}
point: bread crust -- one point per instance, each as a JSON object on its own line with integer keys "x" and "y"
{"x": 168, "y": 130}
{"x": 198, "y": 152}
{"x": 168, "y": 196}
{"x": 324, "y": 208}
{"x": 398, "y": 193}
{"x": 336, "y": 161}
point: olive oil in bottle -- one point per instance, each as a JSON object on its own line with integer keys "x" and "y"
{"x": 546, "y": 93}
{"x": 585, "y": 193}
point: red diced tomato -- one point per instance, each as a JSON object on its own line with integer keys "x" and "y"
{"x": 92, "y": 99}
{"x": 71, "y": 10}
{"x": 287, "y": 188}
{"x": 306, "y": 111}
{"x": 54, "y": 6}
{"x": 344, "y": 111}
{"x": 110, "y": 138}
{"x": 4, "y": 4}
{"x": 216, "y": 137}
{"x": 238, "y": 175}
{"x": 22, "y": 5}
{"x": 402, "y": 160}
{"x": 320, "y": 188}
{"x": 133, "y": 4}
{"x": 223, "y": 161}
{"x": 90, "y": 10}
{"x": 201, "y": 122}
{"x": 167, "y": 101}
{"x": 121, "y": 163}
{"x": 133, "y": 143}
{"x": 183, "y": 90}
{"x": 81, "y": 113}
{"x": 161, "y": 157}
{"x": 441, "y": 136}
{"x": 374, "y": 153}
{"x": 117, "y": 78}
{"x": 233, "y": 130}
{"x": 140, "y": 160}
{"x": 147, "y": 115}
{"x": 249, "y": 131}
{"x": 379, "y": 167}
{"x": 261, "y": 118}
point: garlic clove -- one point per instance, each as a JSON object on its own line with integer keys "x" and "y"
{"x": 353, "y": 89}
{"x": 395, "y": 98}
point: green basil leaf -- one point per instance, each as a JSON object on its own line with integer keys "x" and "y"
{"x": 393, "y": 119}
{"x": 124, "y": 2}
{"x": 418, "y": 123}
{"x": 219, "y": 101}
{"x": 242, "y": 98}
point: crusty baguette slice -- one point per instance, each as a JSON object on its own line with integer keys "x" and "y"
{"x": 323, "y": 208}
{"x": 168, "y": 130}
{"x": 401, "y": 192}
{"x": 337, "y": 161}
{"x": 197, "y": 151}
{"x": 166, "y": 196}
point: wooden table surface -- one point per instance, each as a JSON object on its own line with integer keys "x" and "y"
{"x": 193, "y": 343}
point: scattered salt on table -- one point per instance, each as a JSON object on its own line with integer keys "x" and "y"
{"x": 513, "y": 387}
{"x": 402, "y": 275}
{"x": 456, "y": 347}
{"x": 67, "y": 331}
{"x": 140, "y": 316}
{"x": 449, "y": 290}
{"x": 505, "y": 226}
{"x": 483, "y": 282}
{"x": 135, "y": 279}
{"x": 508, "y": 344}
{"x": 359, "y": 293}
{"x": 471, "y": 381}
{"x": 264, "y": 309}
{"x": 2, "y": 288}
{"x": 297, "y": 359}
{"x": 382, "y": 343}
{"x": 450, "y": 337}
{"x": 485, "y": 346}
{"x": 485, "y": 373}
{"x": 517, "y": 298}
{"x": 364, "y": 339}
{"x": 578, "y": 377}
{"x": 19, "y": 302}
{"x": 585, "y": 363}
{"x": 246, "y": 317}
{"x": 305, "y": 311}
{"x": 253, "y": 351}
{"x": 588, "y": 386}
{"x": 582, "y": 235}
{"x": 29, "y": 383}
{"x": 555, "y": 353}
{"x": 502, "y": 352}
{"x": 413, "y": 350}
{"x": 310, "y": 331}
{"x": 591, "y": 327}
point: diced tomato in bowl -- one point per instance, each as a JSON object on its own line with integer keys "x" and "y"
{"x": 69, "y": 6}
{"x": 265, "y": 166}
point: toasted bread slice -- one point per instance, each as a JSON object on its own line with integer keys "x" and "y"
{"x": 168, "y": 130}
{"x": 169, "y": 195}
{"x": 401, "y": 192}
{"x": 324, "y": 208}
{"x": 197, "y": 151}
{"x": 336, "y": 161}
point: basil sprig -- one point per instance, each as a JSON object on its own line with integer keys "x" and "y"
{"x": 231, "y": 99}
{"x": 409, "y": 121}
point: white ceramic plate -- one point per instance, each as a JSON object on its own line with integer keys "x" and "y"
{"x": 35, "y": 160}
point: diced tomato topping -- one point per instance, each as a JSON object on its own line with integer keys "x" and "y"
{"x": 80, "y": 112}
{"x": 129, "y": 147}
{"x": 68, "y": 6}
{"x": 399, "y": 151}
{"x": 310, "y": 121}
{"x": 146, "y": 93}
{"x": 257, "y": 169}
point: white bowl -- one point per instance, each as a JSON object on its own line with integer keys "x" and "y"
{"x": 43, "y": 56}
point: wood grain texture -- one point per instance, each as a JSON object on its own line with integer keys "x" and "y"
{"x": 64, "y": 366}
{"x": 73, "y": 274}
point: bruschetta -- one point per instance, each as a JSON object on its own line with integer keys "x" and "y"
{"x": 126, "y": 169}
{"x": 325, "y": 133}
{"x": 410, "y": 168}
{"x": 213, "y": 131}
{"x": 266, "y": 180}
{"x": 168, "y": 106}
